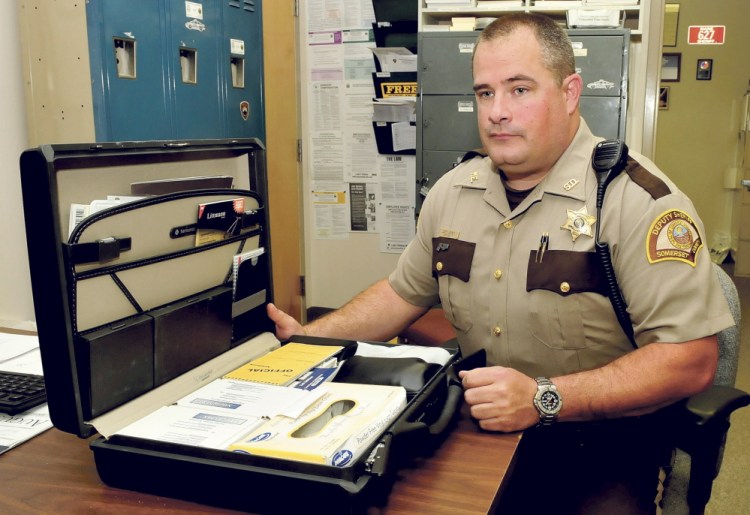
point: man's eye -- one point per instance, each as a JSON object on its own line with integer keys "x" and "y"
{"x": 520, "y": 91}
{"x": 484, "y": 94}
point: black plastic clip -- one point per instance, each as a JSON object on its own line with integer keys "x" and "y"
{"x": 102, "y": 250}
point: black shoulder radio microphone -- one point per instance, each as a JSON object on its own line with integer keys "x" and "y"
{"x": 608, "y": 160}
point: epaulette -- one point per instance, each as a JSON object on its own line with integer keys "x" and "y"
{"x": 471, "y": 154}
{"x": 655, "y": 187}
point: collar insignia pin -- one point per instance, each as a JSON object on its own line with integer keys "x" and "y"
{"x": 474, "y": 177}
{"x": 572, "y": 183}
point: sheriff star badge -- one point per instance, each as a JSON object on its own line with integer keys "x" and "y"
{"x": 579, "y": 222}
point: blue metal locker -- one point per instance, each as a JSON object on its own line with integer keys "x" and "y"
{"x": 130, "y": 90}
{"x": 194, "y": 68}
{"x": 242, "y": 58}
{"x": 176, "y": 69}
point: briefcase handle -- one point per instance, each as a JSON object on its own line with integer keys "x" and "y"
{"x": 453, "y": 399}
{"x": 411, "y": 434}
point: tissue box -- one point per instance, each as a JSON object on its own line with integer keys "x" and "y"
{"x": 335, "y": 430}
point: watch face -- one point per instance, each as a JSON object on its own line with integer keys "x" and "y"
{"x": 549, "y": 402}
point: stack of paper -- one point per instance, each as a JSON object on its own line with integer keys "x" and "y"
{"x": 80, "y": 211}
{"x": 499, "y": 4}
{"x": 395, "y": 59}
{"x": 611, "y": 2}
{"x": 558, "y": 4}
{"x": 450, "y": 3}
{"x": 463, "y": 23}
{"x": 20, "y": 353}
{"x": 221, "y": 412}
{"x": 440, "y": 26}
{"x": 593, "y": 17}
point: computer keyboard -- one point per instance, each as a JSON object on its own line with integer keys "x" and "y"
{"x": 20, "y": 392}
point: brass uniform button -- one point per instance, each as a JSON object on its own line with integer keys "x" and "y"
{"x": 497, "y": 331}
{"x": 498, "y": 274}
{"x": 439, "y": 266}
{"x": 508, "y": 224}
{"x": 564, "y": 287}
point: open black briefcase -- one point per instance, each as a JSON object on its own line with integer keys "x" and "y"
{"x": 138, "y": 303}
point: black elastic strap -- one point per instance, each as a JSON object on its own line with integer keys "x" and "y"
{"x": 102, "y": 250}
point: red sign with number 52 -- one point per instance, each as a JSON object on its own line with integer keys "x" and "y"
{"x": 706, "y": 34}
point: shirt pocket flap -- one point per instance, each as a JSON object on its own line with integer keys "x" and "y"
{"x": 452, "y": 257}
{"x": 566, "y": 272}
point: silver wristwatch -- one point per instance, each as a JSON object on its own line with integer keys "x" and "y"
{"x": 547, "y": 401}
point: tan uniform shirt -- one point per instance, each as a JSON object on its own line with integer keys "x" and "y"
{"x": 549, "y": 314}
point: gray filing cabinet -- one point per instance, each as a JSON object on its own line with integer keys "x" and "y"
{"x": 446, "y": 108}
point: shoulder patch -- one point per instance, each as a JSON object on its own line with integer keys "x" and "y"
{"x": 646, "y": 180}
{"x": 673, "y": 236}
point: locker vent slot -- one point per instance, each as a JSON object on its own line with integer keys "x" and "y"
{"x": 246, "y": 5}
{"x": 238, "y": 72}
{"x": 125, "y": 58}
{"x": 189, "y": 65}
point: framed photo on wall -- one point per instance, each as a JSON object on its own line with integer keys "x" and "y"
{"x": 704, "y": 69}
{"x": 664, "y": 97}
{"x": 670, "y": 67}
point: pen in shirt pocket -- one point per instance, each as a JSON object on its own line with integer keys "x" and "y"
{"x": 543, "y": 244}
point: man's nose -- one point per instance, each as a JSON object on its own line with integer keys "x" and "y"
{"x": 499, "y": 110}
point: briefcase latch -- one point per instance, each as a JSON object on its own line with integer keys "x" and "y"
{"x": 377, "y": 462}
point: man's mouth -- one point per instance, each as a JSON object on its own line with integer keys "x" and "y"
{"x": 502, "y": 136}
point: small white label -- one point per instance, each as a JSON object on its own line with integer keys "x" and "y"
{"x": 194, "y": 10}
{"x": 465, "y": 106}
{"x": 580, "y": 52}
{"x": 466, "y": 48}
{"x": 237, "y": 46}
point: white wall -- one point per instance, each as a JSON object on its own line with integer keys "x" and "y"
{"x": 15, "y": 285}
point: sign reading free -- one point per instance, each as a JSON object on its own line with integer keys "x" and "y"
{"x": 706, "y": 34}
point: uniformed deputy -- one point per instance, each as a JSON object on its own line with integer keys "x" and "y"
{"x": 505, "y": 242}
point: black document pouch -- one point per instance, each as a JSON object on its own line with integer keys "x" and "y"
{"x": 161, "y": 299}
{"x": 145, "y": 302}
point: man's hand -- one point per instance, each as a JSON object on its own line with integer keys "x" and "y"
{"x": 501, "y": 399}
{"x": 286, "y": 326}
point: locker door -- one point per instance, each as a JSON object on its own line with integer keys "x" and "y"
{"x": 241, "y": 58}
{"x": 603, "y": 115}
{"x": 193, "y": 53}
{"x": 449, "y": 122}
{"x": 602, "y": 61}
{"x": 445, "y": 63}
{"x": 128, "y": 86}
{"x": 599, "y": 60}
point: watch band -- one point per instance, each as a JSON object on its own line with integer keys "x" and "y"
{"x": 545, "y": 387}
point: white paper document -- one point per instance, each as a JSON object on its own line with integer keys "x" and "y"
{"x": 229, "y": 396}
{"x": 189, "y": 426}
{"x": 16, "y": 429}
{"x": 15, "y": 345}
{"x": 221, "y": 413}
{"x": 395, "y": 59}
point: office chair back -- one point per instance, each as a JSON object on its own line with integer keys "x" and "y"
{"x": 697, "y": 461}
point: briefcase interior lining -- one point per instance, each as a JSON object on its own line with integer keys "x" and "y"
{"x": 157, "y": 267}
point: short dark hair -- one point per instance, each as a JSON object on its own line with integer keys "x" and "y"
{"x": 556, "y": 49}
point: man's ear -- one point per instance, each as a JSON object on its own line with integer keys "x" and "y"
{"x": 572, "y": 88}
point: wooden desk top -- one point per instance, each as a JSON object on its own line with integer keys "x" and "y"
{"x": 55, "y": 473}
